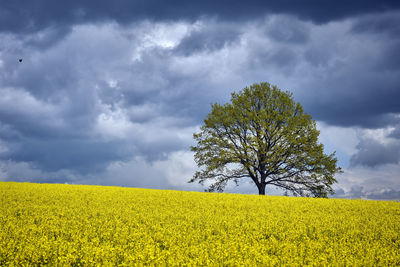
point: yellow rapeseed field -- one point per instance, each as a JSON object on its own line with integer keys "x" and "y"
{"x": 78, "y": 225}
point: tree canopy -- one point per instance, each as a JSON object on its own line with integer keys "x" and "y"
{"x": 264, "y": 135}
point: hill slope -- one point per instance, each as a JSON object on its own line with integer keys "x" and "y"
{"x": 76, "y": 224}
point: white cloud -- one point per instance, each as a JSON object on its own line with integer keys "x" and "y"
{"x": 165, "y": 35}
{"x": 20, "y": 102}
{"x": 178, "y": 168}
{"x": 113, "y": 124}
{"x": 380, "y": 135}
{"x": 372, "y": 181}
{"x": 341, "y": 139}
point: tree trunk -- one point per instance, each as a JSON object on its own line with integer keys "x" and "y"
{"x": 261, "y": 189}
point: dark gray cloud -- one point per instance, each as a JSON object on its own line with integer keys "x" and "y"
{"x": 396, "y": 132}
{"x": 372, "y": 153}
{"x": 208, "y": 39}
{"x": 287, "y": 30}
{"x": 82, "y": 155}
{"x": 27, "y": 16}
{"x": 386, "y": 24}
{"x": 388, "y": 194}
{"x": 378, "y": 149}
{"x": 339, "y": 193}
{"x": 356, "y": 191}
{"x": 356, "y": 84}
{"x": 359, "y": 192}
{"x": 347, "y": 111}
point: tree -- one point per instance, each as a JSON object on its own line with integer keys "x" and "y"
{"x": 263, "y": 134}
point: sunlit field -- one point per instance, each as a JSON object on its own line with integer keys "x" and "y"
{"x": 98, "y": 225}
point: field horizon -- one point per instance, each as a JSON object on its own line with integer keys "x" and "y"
{"x": 236, "y": 193}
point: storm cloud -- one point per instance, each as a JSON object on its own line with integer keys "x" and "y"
{"x": 372, "y": 153}
{"x": 22, "y": 16}
{"x": 111, "y": 92}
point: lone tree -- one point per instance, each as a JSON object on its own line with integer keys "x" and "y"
{"x": 265, "y": 135}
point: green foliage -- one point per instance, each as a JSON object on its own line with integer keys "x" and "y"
{"x": 265, "y": 135}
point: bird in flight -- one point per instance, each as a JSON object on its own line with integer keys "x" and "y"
{"x": 20, "y": 60}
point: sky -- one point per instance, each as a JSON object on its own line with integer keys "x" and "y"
{"x": 111, "y": 92}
